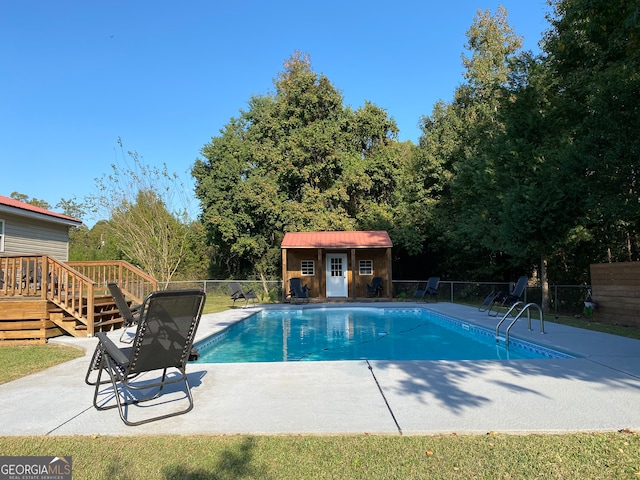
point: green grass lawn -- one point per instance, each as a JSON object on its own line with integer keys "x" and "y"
{"x": 589, "y": 324}
{"x": 216, "y": 304}
{"x": 18, "y": 361}
{"x": 490, "y": 456}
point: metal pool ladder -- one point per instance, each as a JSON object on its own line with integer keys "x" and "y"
{"x": 526, "y": 308}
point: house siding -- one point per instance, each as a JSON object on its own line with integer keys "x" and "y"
{"x": 26, "y": 236}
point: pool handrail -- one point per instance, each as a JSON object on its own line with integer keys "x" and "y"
{"x": 505, "y": 317}
{"x": 526, "y": 308}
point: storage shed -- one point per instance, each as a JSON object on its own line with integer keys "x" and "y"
{"x": 337, "y": 264}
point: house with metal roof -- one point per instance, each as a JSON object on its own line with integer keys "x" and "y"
{"x": 29, "y": 230}
{"x": 335, "y": 265}
{"x": 42, "y": 294}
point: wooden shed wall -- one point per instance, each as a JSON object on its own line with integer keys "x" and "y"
{"x": 25, "y": 236}
{"x": 380, "y": 269}
{"x": 615, "y": 287}
{"x": 316, "y": 283}
{"x": 294, "y": 268}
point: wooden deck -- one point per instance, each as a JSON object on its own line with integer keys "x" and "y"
{"x": 41, "y": 297}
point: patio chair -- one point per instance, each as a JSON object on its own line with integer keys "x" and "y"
{"x": 430, "y": 288}
{"x": 494, "y": 295}
{"x": 163, "y": 342}
{"x": 297, "y": 290}
{"x": 375, "y": 288}
{"x": 31, "y": 275}
{"x": 130, "y": 315}
{"x": 508, "y": 299}
{"x": 238, "y": 294}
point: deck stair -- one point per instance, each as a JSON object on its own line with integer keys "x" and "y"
{"x": 56, "y": 298}
{"x": 106, "y": 317}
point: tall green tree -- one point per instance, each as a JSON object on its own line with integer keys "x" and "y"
{"x": 36, "y": 202}
{"x": 593, "y": 55}
{"x": 458, "y": 171}
{"x": 540, "y": 151}
{"x": 73, "y": 207}
{"x": 148, "y": 215}
{"x": 95, "y": 243}
{"x": 537, "y": 193}
{"x": 296, "y": 160}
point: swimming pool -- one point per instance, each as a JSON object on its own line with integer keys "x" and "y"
{"x": 352, "y": 333}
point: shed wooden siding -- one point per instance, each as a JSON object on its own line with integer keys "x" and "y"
{"x": 380, "y": 269}
{"x": 28, "y": 236}
{"x": 316, "y": 283}
{"x": 615, "y": 287}
{"x": 356, "y": 245}
{"x": 294, "y": 266}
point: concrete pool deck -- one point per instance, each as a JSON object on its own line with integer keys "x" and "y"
{"x": 597, "y": 391}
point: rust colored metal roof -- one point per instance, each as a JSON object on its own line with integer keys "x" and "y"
{"x": 357, "y": 239}
{"x": 10, "y": 204}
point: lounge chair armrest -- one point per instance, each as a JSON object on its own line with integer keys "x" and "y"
{"x": 112, "y": 350}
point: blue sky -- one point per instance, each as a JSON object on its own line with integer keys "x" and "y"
{"x": 166, "y": 76}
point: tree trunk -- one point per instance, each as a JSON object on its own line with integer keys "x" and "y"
{"x": 265, "y": 285}
{"x": 544, "y": 283}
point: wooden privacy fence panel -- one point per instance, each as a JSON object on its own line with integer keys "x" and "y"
{"x": 615, "y": 287}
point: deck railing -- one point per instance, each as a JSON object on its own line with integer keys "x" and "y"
{"x": 43, "y": 277}
{"x": 70, "y": 290}
{"x": 132, "y": 281}
{"x": 71, "y": 286}
{"x": 18, "y": 275}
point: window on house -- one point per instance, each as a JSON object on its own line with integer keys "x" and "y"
{"x": 1, "y": 235}
{"x": 366, "y": 267}
{"x": 307, "y": 268}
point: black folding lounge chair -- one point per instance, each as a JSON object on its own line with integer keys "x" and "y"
{"x": 163, "y": 342}
{"x": 431, "y": 289}
{"x": 297, "y": 290}
{"x": 238, "y": 294}
{"x": 494, "y": 295}
{"x": 508, "y": 299}
{"x": 375, "y": 288}
{"x": 130, "y": 315}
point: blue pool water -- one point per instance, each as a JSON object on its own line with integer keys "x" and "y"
{"x": 318, "y": 334}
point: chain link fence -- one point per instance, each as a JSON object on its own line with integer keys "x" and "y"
{"x": 564, "y": 299}
{"x": 220, "y": 288}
